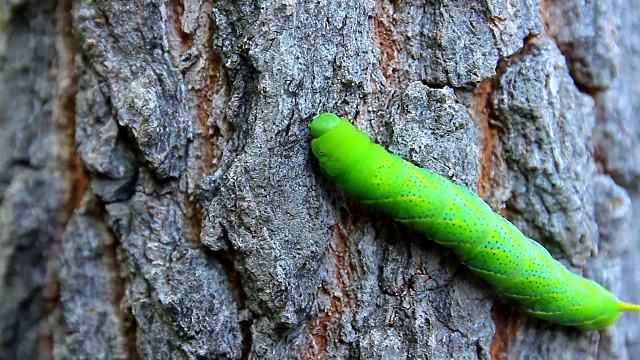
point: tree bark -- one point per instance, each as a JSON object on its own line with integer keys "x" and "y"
{"x": 158, "y": 196}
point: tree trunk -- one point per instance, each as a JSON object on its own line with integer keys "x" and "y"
{"x": 158, "y": 196}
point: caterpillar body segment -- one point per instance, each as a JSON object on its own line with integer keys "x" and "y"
{"x": 491, "y": 246}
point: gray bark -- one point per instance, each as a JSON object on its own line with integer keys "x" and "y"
{"x": 158, "y": 198}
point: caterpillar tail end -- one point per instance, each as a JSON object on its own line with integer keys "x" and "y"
{"x": 623, "y": 306}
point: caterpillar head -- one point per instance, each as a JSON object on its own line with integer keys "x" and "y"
{"x": 338, "y": 145}
{"x": 323, "y": 123}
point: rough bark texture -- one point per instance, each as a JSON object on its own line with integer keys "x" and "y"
{"x": 158, "y": 198}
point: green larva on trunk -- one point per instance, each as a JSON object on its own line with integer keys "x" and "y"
{"x": 451, "y": 215}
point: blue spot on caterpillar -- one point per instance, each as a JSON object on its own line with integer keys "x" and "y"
{"x": 492, "y": 247}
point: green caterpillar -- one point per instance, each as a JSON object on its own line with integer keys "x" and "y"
{"x": 492, "y": 247}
